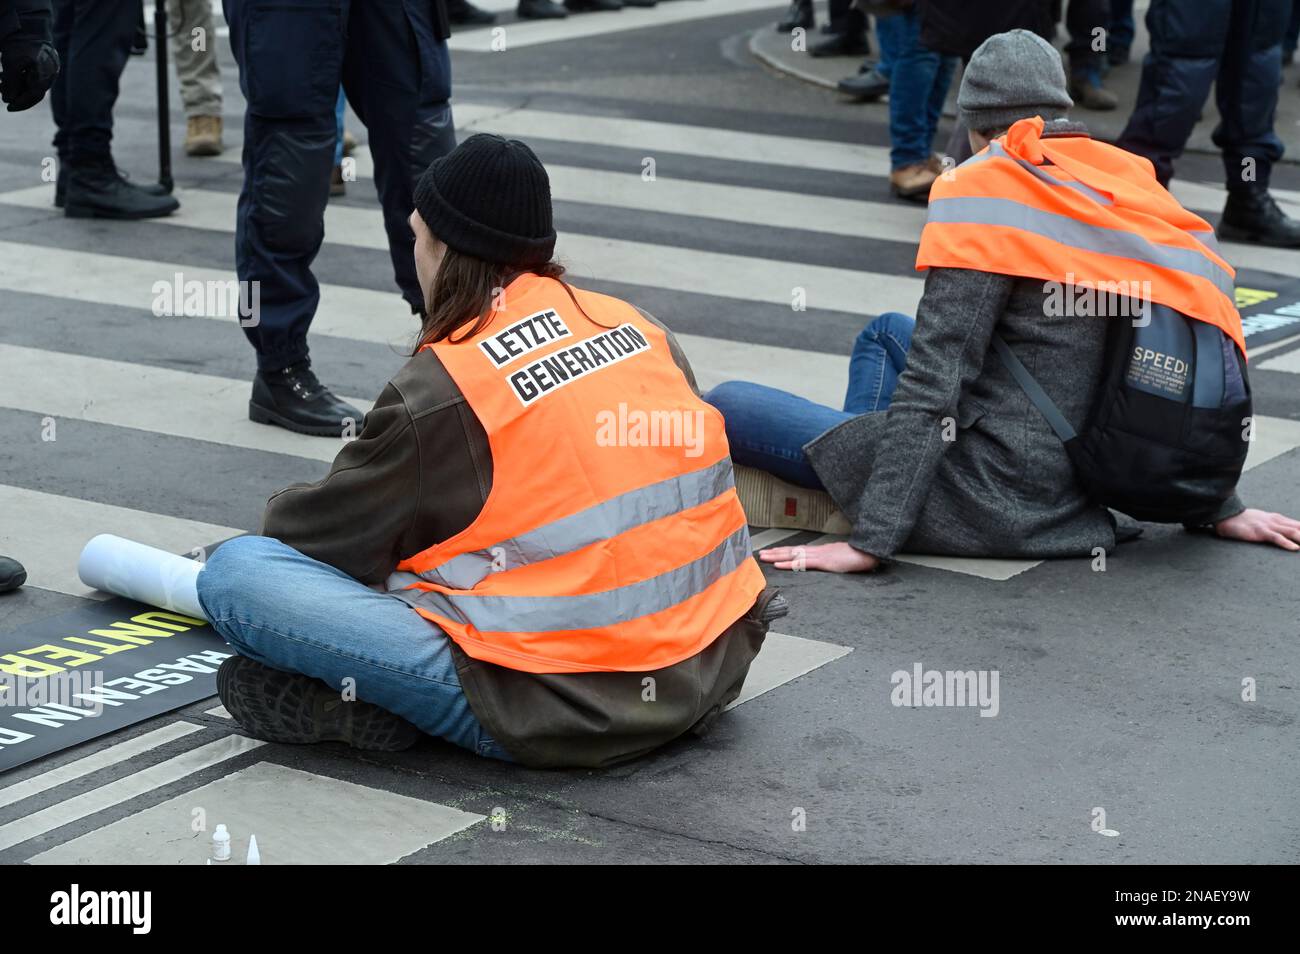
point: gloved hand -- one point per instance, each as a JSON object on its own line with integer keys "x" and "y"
{"x": 27, "y": 69}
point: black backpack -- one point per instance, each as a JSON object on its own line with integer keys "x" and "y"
{"x": 1165, "y": 439}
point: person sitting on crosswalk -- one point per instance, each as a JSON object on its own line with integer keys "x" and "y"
{"x": 939, "y": 448}
{"x": 506, "y": 557}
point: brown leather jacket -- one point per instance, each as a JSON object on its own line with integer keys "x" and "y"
{"x": 419, "y": 473}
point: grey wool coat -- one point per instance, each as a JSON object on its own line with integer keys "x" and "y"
{"x": 1002, "y": 484}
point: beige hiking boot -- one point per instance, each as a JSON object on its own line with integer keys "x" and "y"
{"x": 914, "y": 181}
{"x": 770, "y": 502}
{"x": 203, "y": 136}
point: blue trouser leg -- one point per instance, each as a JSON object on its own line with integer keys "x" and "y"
{"x": 767, "y": 428}
{"x": 1122, "y": 28}
{"x": 916, "y": 75}
{"x": 290, "y": 63}
{"x": 1187, "y": 46}
{"x": 1082, "y": 18}
{"x": 292, "y": 613}
{"x": 1246, "y": 92}
{"x": 340, "y": 110}
{"x": 398, "y": 81}
{"x": 93, "y": 39}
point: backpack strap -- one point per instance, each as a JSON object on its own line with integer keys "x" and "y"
{"x": 1034, "y": 391}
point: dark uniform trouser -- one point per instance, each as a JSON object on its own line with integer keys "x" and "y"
{"x": 93, "y": 38}
{"x": 1234, "y": 44}
{"x": 391, "y": 57}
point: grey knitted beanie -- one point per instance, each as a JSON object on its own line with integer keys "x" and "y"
{"x": 1010, "y": 77}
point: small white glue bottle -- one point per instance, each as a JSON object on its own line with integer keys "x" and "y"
{"x": 221, "y": 844}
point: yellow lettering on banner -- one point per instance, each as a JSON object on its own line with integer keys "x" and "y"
{"x": 16, "y": 665}
{"x": 70, "y": 657}
{"x": 106, "y": 648}
{"x": 1245, "y": 297}
{"x": 157, "y": 617}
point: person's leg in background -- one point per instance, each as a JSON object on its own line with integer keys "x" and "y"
{"x": 872, "y": 79}
{"x": 1291, "y": 39}
{"x": 1187, "y": 44}
{"x": 917, "y": 76}
{"x": 1246, "y": 91}
{"x": 337, "y": 184}
{"x": 1087, "y": 22}
{"x": 290, "y": 62}
{"x": 767, "y": 428}
{"x": 846, "y": 32}
{"x": 293, "y": 614}
{"x": 398, "y": 80}
{"x": 194, "y": 48}
{"x": 1121, "y": 32}
{"x": 93, "y": 40}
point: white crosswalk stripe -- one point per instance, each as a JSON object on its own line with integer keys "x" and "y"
{"x": 638, "y": 263}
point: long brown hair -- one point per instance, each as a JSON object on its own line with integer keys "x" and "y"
{"x": 466, "y": 287}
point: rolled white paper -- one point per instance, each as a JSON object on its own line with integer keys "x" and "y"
{"x": 145, "y": 574}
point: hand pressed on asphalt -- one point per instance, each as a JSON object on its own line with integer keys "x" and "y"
{"x": 831, "y": 557}
{"x": 1260, "y": 526}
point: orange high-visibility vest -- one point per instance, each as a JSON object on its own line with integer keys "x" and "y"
{"x": 612, "y": 538}
{"x": 1073, "y": 210}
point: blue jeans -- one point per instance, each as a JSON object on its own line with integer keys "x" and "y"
{"x": 767, "y": 428}
{"x": 292, "y": 613}
{"x": 918, "y": 85}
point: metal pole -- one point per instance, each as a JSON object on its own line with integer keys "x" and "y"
{"x": 164, "y": 120}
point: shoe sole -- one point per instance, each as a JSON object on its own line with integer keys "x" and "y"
{"x": 288, "y": 708}
{"x": 204, "y": 149}
{"x": 264, "y": 415}
{"x": 769, "y": 501}
{"x": 1230, "y": 233}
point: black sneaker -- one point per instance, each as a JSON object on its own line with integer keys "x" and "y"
{"x": 295, "y": 399}
{"x": 464, "y": 13}
{"x": 12, "y": 574}
{"x": 540, "y": 10}
{"x": 800, "y": 14}
{"x": 289, "y": 707}
{"x": 841, "y": 44}
{"x": 593, "y": 6}
{"x": 1254, "y": 216}
{"x": 98, "y": 191}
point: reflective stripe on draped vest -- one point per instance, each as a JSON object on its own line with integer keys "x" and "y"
{"x": 1079, "y": 212}
{"x": 612, "y": 538}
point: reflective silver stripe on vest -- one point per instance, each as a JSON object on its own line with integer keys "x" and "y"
{"x": 600, "y": 522}
{"x": 996, "y": 149}
{"x": 546, "y": 614}
{"x": 984, "y": 210}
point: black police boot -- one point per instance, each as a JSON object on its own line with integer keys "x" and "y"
{"x": 1253, "y": 216}
{"x": 61, "y": 186}
{"x": 291, "y": 708}
{"x": 12, "y": 574}
{"x": 464, "y": 13}
{"x": 800, "y": 14}
{"x": 540, "y": 10}
{"x": 293, "y": 398}
{"x": 593, "y": 6}
{"x": 96, "y": 190}
{"x": 843, "y": 43}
